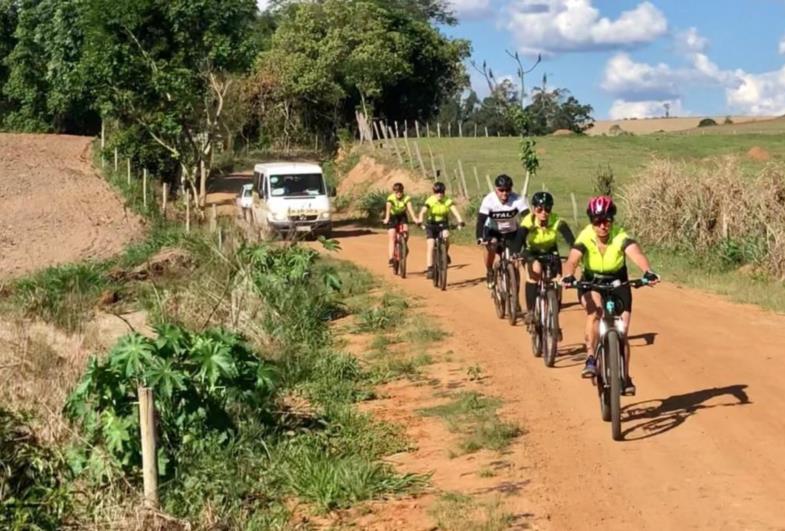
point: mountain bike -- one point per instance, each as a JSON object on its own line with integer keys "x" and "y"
{"x": 506, "y": 280}
{"x": 544, "y": 330}
{"x": 439, "y": 257}
{"x": 609, "y": 353}
{"x": 400, "y": 251}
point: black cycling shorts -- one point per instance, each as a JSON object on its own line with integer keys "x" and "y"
{"x": 556, "y": 261}
{"x": 432, "y": 229}
{"x": 514, "y": 239}
{"x": 397, "y": 219}
{"x": 623, "y": 294}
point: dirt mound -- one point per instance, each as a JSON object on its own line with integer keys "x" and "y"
{"x": 562, "y": 132}
{"x": 758, "y": 153}
{"x": 370, "y": 174}
{"x": 53, "y": 207}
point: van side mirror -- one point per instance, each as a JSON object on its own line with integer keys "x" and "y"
{"x": 333, "y": 191}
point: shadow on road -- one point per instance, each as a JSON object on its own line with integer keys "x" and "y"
{"x": 648, "y": 337}
{"x": 655, "y": 417}
{"x": 349, "y": 232}
{"x": 469, "y": 283}
{"x": 570, "y": 356}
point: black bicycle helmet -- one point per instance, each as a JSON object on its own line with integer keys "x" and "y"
{"x": 504, "y": 181}
{"x": 543, "y": 199}
{"x": 438, "y": 187}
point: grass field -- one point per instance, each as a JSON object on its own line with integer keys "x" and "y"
{"x": 569, "y": 163}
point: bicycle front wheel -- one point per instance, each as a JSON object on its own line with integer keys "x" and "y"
{"x": 551, "y": 329}
{"x": 512, "y": 293}
{"x": 499, "y": 292}
{"x": 613, "y": 355}
{"x": 442, "y": 265}
{"x": 402, "y": 252}
{"x": 536, "y": 328}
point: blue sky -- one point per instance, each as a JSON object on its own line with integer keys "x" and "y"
{"x": 627, "y": 58}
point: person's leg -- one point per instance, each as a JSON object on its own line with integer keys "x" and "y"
{"x": 391, "y": 243}
{"x": 533, "y": 274}
{"x": 625, "y": 294}
{"x": 429, "y": 243}
{"x": 592, "y": 302}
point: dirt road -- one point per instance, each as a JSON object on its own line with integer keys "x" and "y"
{"x": 54, "y": 209}
{"x": 704, "y": 440}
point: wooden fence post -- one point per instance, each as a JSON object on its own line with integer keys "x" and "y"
{"x": 187, "y": 210}
{"x": 439, "y": 129}
{"x": 419, "y": 159}
{"x": 417, "y": 128}
{"x": 408, "y": 150}
{"x": 128, "y": 171}
{"x": 444, "y": 168}
{"x": 574, "y": 210}
{"x": 395, "y": 145}
{"x": 463, "y": 179}
{"x": 449, "y": 129}
{"x": 477, "y": 179}
{"x": 428, "y": 129}
{"x": 486, "y": 131}
{"x": 475, "y": 130}
{"x": 525, "y": 189}
{"x": 213, "y": 218}
{"x": 488, "y": 180}
{"x": 202, "y": 183}
{"x": 433, "y": 163}
{"x": 144, "y": 188}
{"x": 149, "y": 455}
{"x": 103, "y": 143}
{"x": 396, "y": 129}
{"x": 115, "y": 160}
{"x": 165, "y": 198}
{"x": 460, "y": 130}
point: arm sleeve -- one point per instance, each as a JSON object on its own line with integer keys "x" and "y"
{"x": 485, "y": 207}
{"x": 627, "y": 242}
{"x": 524, "y": 234}
{"x": 481, "y": 219}
{"x": 566, "y": 233}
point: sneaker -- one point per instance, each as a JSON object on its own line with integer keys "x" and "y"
{"x": 590, "y": 369}
{"x": 489, "y": 279}
{"x": 528, "y": 321}
{"x": 429, "y": 273}
{"x": 629, "y": 388}
{"x": 391, "y": 262}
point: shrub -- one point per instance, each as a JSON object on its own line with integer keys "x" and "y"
{"x": 728, "y": 120}
{"x": 604, "y": 181}
{"x": 372, "y": 205}
{"x": 707, "y": 122}
{"x": 712, "y": 212}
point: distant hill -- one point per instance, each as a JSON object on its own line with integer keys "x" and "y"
{"x": 644, "y": 126}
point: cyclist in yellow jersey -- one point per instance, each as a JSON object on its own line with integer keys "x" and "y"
{"x": 435, "y": 215}
{"x": 540, "y": 229}
{"x": 602, "y": 248}
{"x": 396, "y": 207}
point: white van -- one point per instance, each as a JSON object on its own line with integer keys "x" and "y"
{"x": 296, "y": 196}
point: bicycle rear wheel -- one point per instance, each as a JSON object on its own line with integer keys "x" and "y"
{"x": 402, "y": 252}
{"x": 442, "y": 265}
{"x": 512, "y": 293}
{"x": 551, "y": 329}
{"x": 536, "y": 333}
{"x": 614, "y": 372}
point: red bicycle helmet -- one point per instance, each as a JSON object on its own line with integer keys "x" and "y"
{"x": 601, "y": 207}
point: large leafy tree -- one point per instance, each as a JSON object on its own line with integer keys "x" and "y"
{"x": 46, "y": 86}
{"x": 166, "y": 68}
{"x": 8, "y": 19}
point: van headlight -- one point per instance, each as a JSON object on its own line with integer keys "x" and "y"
{"x": 324, "y": 215}
{"x": 277, "y": 216}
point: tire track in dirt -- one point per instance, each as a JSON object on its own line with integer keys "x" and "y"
{"x": 703, "y": 439}
{"x": 54, "y": 209}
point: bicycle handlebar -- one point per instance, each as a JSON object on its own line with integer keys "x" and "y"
{"x": 607, "y": 288}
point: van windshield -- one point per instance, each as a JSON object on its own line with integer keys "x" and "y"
{"x": 302, "y": 185}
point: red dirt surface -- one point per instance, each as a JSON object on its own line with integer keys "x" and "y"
{"x": 703, "y": 440}
{"x": 54, "y": 208}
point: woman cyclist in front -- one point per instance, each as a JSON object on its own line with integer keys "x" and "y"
{"x": 434, "y": 216}
{"x": 602, "y": 249}
{"x": 396, "y": 207}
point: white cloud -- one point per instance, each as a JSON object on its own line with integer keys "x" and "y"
{"x": 782, "y": 45}
{"x": 691, "y": 41}
{"x": 466, "y": 9}
{"x": 644, "y": 109}
{"x": 624, "y": 77}
{"x": 761, "y": 94}
{"x": 554, "y": 26}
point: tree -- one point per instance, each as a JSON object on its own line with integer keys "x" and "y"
{"x": 8, "y": 20}
{"x": 165, "y": 68}
{"x": 557, "y": 109}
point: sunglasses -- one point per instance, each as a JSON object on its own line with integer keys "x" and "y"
{"x": 541, "y": 209}
{"x": 602, "y": 221}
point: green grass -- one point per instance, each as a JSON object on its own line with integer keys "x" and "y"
{"x": 474, "y": 417}
{"x": 568, "y": 164}
{"x": 459, "y": 512}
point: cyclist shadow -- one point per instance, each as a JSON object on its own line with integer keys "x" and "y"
{"x": 469, "y": 283}
{"x": 655, "y": 417}
{"x": 648, "y": 337}
{"x": 570, "y": 356}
